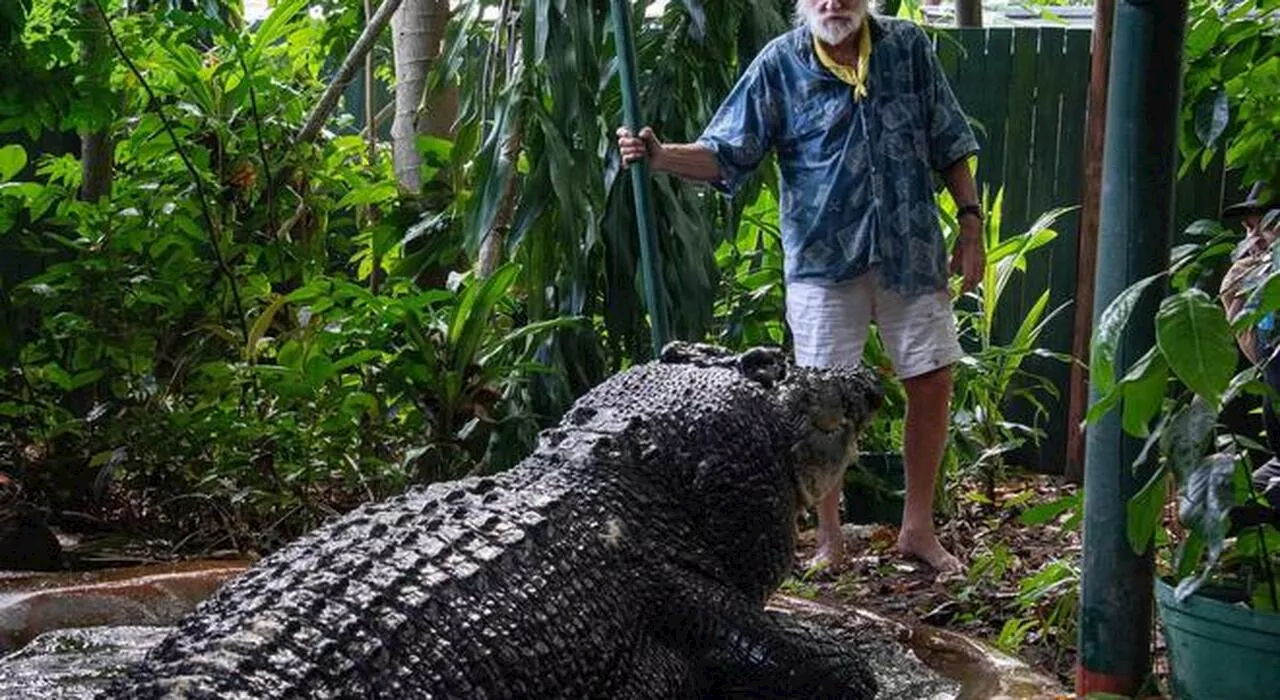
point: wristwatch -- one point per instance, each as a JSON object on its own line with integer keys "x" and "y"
{"x": 971, "y": 208}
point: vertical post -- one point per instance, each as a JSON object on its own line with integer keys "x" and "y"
{"x": 1134, "y": 232}
{"x": 1087, "y": 250}
{"x": 650, "y": 256}
{"x": 968, "y": 13}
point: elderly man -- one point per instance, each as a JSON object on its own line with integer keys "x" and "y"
{"x": 860, "y": 115}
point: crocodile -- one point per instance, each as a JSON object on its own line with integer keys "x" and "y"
{"x": 629, "y": 555}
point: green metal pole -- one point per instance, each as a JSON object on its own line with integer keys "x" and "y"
{"x": 650, "y": 257}
{"x": 1134, "y": 237}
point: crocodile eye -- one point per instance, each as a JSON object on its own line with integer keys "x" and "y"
{"x": 828, "y": 423}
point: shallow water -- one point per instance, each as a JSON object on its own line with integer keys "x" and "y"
{"x": 62, "y": 658}
{"x": 72, "y": 664}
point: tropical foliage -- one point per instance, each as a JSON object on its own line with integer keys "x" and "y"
{"x": 1232, "y": 87}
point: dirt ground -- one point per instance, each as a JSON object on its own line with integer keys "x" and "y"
{"x": 1021, "y": 589}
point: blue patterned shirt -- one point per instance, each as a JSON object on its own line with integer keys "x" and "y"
{"x": 857, "y": 188}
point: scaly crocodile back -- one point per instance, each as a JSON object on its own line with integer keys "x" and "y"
{"x": 594, "y": 568}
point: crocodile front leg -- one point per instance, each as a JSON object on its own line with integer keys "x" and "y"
{"x": 768, "y": 655}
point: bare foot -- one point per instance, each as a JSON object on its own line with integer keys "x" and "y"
{"x": 930, "y": 551}
{"x": 830, "y": 555}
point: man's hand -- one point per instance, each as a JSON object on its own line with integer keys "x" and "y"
{"x": 970, "y": 256}
{"x": 646, "y": 146}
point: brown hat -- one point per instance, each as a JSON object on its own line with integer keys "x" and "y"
{"x": 1260, "y": 199}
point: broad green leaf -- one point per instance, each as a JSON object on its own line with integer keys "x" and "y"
{"x": 1266, "y": 595}
{"x": 1211, "y": 118}
{"x": 474, "y": 314}
{"x": 493, "y": 170}
{"x": 1046, "y": 512}
{"x": 273, "y": 28}
{"x": 530, "y": 329}
{"x": 1144, "y": 511}
{"x": 1106, "y": 336}
{"x": 1206, "y": 496}
{"x": 260, "y": 327}
{"x": 13, "y": 158}
{"x": 1185, "y": 438}
{"x": 358, "y": 403}
{"x": 290, "y": 355}
{"x": 1193, "y": 333}
{"x": 1143, "y": 390}
{"x": 83, "y": 379}
{"x": 1202, "y": 35}
{"x": 358, "y": 357}
{"x": 373, "y": 193}
{"x": 1189, "y": 553}
{"x": 319, "y": 369}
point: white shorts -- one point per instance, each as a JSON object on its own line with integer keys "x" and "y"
{"x": 830, "y": 324}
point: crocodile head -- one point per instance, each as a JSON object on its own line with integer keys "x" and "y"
{"x": 829, "y": 408}
{"x": 748, "y": 508}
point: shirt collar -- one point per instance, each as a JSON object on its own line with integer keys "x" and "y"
{"x": 802, "y": 44}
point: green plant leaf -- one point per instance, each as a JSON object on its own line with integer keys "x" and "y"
{"x": 1205, "y": 499}
{"x": 1189, "y": 553}
{"x": 1106, "y": 336}
{"x": 474, "y": 314}
{"x": 1195, "y": 338}
{"x": 1185, "y": 438}
{"x": 261, "y": 325}
{"x": 13, "y": 158}
{"x": 1203, "y": 34}
{"x": 273, "y": 28}
{"x": 1143, "y": 389}
{"x": 1212, "y": 115}
{"x": 1144, "y": 511}
{"x": 319, "y": 370}
{"x": 358, "y": 357}
{"x": 1046, "y": 512}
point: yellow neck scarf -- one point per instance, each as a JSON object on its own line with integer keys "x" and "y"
{"x": 855, "y": 76}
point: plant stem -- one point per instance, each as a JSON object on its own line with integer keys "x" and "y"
{"x": 195, "y": 175}
{"x": 262, "y": 148}
{"x": 1262, "y": 528}
{"x": 329, "y": 99}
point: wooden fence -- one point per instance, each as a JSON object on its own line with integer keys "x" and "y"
{"x": 1027, "y": 90}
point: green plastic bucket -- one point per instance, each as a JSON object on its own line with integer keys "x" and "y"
{"x": 1217, "y": 650}
{"x": 874, "y": 489}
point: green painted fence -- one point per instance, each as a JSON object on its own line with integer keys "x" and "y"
{"x": 1026, "y": 89}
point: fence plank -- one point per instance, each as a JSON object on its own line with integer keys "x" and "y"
{"x": 986, "y": 89}
{"x": 948, "y": 49}
{"x": 1029, "y": 89}
{"x": 1020, "y": 113}
{"x": 1053, "y": 268}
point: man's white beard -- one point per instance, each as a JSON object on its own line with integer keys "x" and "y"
{"x": 832, "y": 30}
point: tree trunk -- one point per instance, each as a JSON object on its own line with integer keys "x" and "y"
{"x": 417, "y": 29}
{"x": 968, "y": 13}
{"x": 95, "y": 144}
{"x": 491, "y": 247}
{"x": 1087, "y": 254}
